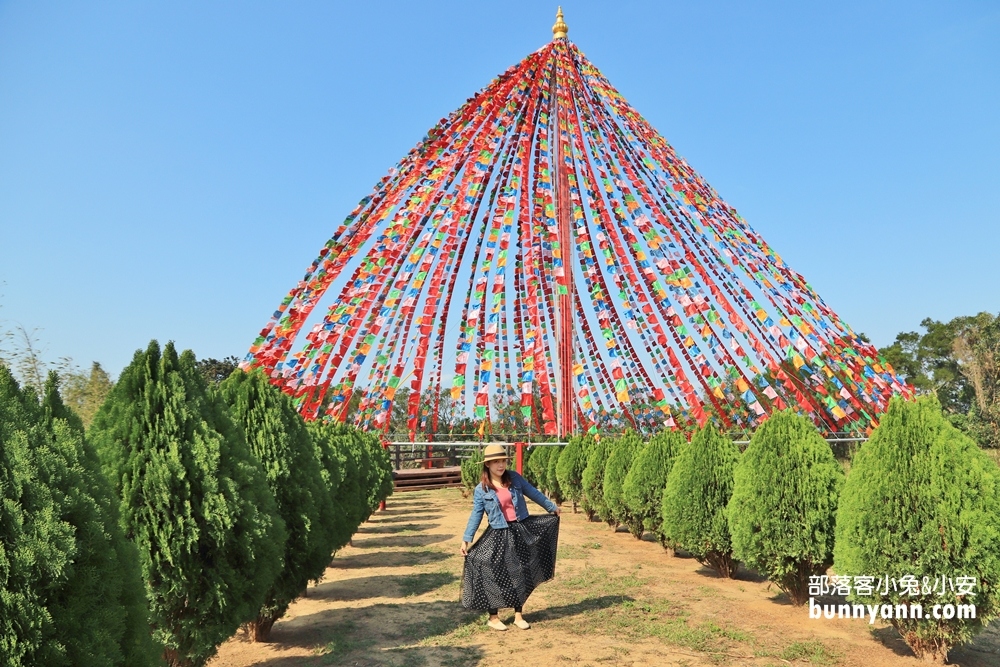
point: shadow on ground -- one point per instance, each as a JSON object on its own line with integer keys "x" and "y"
{"x": 407, "y": 508}
{"x": 567, "y": 610}
{"x": 374, "y": 528}
{"x": 399, "y": 541}
{"x": 889, "y": 637}
{"x": 382, "y": 634}
{"x": 390, "y": 559}
{"x": 983, "y": 651}
{"x": 402, "y": 519}
{"x": 389, "y": 586}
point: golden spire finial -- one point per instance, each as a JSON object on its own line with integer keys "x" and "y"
{"x": 560, "y": 29}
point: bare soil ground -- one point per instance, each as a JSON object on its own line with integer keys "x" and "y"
{"x": 392, "y": 599}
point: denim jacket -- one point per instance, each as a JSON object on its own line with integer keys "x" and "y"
{"x": 487, "y": 501}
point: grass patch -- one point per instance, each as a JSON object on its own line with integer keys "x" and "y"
{"x": 345, "y": 640}
{"x": 571, "y": 552}
{"x": 815, "y": 652}
{"x": 665, "y": 620}
{"x": 443, "y": 631}
{"x": 598, "y": 581}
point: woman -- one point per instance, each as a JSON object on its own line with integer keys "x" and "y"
{"x": 517, "y": 552}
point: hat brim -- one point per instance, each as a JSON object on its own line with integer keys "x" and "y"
{"x": 502, "y": 457}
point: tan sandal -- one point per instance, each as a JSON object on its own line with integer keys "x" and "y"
{"x": 496, "y": 625}
{"x": 523, "y": 624}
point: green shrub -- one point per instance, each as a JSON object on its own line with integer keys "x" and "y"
{"x": 593, "y": 481}
{"x": 331, "y": 441}
{"x": 71, "y": 590}
{"x": 694, "y": 502}
{"x": 569, "y": 470}
{"x": 923, "y": 500}
{"x": 783, "y": 508}
{"x": 624, "y": 451}
{"x": 379, "y": 465}
{"x": 277, "y": 436}
{"x": 537, "y": 467}
{"x": 551, "y": 480}
{"x": 367, "y": 469}
{"x": 472, "y": 469}
{"x": 642, "y": 490}
{"x": 192, "y": 498}
{"x": 102, "y": 610}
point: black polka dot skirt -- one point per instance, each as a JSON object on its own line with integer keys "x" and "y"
{"x": 504, "y": 566}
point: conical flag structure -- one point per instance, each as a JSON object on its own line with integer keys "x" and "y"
{"x": 544, "y": 246}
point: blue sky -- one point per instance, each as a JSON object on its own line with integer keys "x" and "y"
{"x": 168, "y": 170}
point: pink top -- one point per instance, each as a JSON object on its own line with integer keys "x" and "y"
{"x": 506, "y": 504}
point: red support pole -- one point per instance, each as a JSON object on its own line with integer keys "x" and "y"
{"x": 566, "y": 303}
{"x": 519, "y": 457}
{"x": 385, "y": 445}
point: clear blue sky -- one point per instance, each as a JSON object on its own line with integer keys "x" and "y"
{"x": 169, "y": 169}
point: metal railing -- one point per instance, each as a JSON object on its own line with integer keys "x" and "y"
{"x": 407, "y": 454}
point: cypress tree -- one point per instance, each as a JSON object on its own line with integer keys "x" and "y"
{"x": 101, "y": 612}
{"x": 472, "y": 470}
{"x": 698, "y": 490}
{"x": 623, "y": 453}
{"x": 277, "y": 436}
{"x": 551, "y": 479}
{"x": 192, "y": 498}
{"x": 783, "y": 508}
{"x": 89, "y": 608}
{"x": 329, "y": 439}
{"x": 36, "y": 544}
{"x": 593, "y": 481}
{"x": 367, "y": 470}
{"x": 569, "y": 470}
{"x": 537, "y": 467}
{"x": 642, "y": 490}
{"x": 929, "y": 487}
{"x": 379, "y": 483}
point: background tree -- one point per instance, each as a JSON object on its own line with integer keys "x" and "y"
{"x": 927, "y": 485}
{"x": 782, "y": 511}
{"x": 85, "y": 393}
{"x": 593, "y": 481}
{"x": 277, "y": 436}
{"x": 624, "y": 451}
{"x": 927, "y": 361}
{"x": 977, "y": 350}
{"x": 215, "y": 371}
{"x": 642, "y": 490}
{"x": 192, "y": 498}
{"x": 695, "y": 498}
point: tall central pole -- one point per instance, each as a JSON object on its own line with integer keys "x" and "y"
{"x": 566, "y": 299}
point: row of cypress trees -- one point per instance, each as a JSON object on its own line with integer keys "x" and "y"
{"x": 184, "y": 512}
{"x": 921, "y": 499}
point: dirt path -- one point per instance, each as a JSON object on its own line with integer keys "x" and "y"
{"x": 392, "y": 599}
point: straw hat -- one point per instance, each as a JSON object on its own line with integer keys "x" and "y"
{"x": 494, "y": 453}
